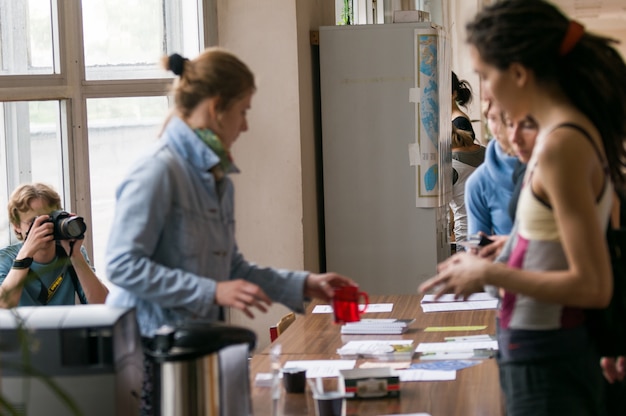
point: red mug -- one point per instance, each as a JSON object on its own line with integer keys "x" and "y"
{"x": 346, "y": 304}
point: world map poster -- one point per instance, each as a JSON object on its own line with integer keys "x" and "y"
{"x": 432, "y": 75}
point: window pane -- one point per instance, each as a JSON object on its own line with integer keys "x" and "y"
{"x": 120, "y": 130}
{"x": 46, "y": 147}
{"x": 33, "y": 150}
{"x": 26, "y": 48}
{"x": 126, "y": 39}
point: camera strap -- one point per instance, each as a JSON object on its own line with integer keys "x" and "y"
{"x": 72, "y": 272}
{"x": 45, "y": 293}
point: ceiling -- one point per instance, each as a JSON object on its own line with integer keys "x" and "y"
{"x": 599, "y": 14}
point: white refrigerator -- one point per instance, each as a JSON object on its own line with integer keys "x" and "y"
{"x": 385, "y": 104}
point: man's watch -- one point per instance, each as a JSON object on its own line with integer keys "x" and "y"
{"x": 22, "y": 263}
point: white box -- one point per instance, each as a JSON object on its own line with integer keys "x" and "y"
{"x": 406, "y": 16}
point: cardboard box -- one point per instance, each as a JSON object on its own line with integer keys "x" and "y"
{"x": 405, "y": 16}
{"x": 366, "y": 383}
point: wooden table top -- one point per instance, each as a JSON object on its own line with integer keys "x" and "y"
{"x": 475, "y": 391}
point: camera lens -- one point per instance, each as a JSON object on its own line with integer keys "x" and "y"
{"x": 72, "y": 227}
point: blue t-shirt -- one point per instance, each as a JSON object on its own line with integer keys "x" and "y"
{"x": 488, "y": 191}
{"x": 54, "y": 276}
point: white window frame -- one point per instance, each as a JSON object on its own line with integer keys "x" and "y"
{"x": 69, "y": 86}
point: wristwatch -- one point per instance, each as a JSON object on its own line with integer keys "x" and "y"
{"x": 22, "y": 263}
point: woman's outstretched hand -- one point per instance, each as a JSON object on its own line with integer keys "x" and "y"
{"x": 461, "y": 275}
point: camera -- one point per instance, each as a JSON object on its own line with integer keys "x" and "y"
{"x": 67, "y": 226}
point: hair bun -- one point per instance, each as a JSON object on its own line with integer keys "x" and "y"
{"x": 177, "y": 63}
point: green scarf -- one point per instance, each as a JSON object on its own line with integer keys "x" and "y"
{"x": 215, "y": 144}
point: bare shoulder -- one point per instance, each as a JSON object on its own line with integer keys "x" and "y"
{"x": 571, "y": 143}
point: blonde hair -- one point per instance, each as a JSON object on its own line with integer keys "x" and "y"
{"x": 23, "y": 195}
{"x": 486, "y": 107}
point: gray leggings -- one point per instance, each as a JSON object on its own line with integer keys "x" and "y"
{"x": 571, "y": 386}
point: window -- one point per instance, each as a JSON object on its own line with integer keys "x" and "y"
{"x": 82, "y": 94}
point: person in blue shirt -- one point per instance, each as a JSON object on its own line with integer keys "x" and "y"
{"x": 489, "y": 188}
{"x": 172, "y": 250}
{"x": 41, "y": 270}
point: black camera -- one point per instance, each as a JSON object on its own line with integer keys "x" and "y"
{"x": 67, "y": 226}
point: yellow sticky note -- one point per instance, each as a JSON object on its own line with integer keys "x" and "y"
{"x": 455, "y": 328}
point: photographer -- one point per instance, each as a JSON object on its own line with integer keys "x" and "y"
{"x": 50, "y": 265}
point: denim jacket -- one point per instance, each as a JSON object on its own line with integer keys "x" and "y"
{"x": 173, "y": 238}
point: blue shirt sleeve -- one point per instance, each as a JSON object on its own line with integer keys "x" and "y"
{"x": 478, "y": 211}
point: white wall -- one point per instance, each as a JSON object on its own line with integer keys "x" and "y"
{"x": 460, "y": 13}
{"x": 275, "y": 199}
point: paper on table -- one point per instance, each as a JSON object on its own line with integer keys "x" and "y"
{"x": 386, "y": 364}
{"x": 445, "y": 365}
{"x": 459, "y": 306}
{"x": 371, "y": 346}
{"x": 454, "y": 328}
{"x": 456, "y": 346}
{"x": 426, "y": 375}
{"x": 449, "y": 297}
{"x": 409, "y": 414}
{"x": 264, "y": 380}
{"x": 446, "y": 356}
{"x": 371, "y": 308}
{"x": 322, "y": 368}
{"x": 377, "y": 326}
{"x": 471, "y": 338}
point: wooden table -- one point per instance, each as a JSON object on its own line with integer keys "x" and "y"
{"x": 475, "y": 392}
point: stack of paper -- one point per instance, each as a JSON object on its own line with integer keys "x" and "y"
{"x": 377, "y": 326}
{"x": 386, "y": 350}
{"x": 449, "y": 303}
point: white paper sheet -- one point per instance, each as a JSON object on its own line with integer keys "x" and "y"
{"x": 456, "y": 346}
{"x": 459, "y": 306}
{"x": 426, "y": 375}
{"x": 449, "y": 297}
{"x": 374, "y": 307}
{"x": 386, "y": 364}
{"x": 322, "y": 368}
{"x": 371, "y": 346}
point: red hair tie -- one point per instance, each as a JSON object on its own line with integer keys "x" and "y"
{"x": 575, "y": 31}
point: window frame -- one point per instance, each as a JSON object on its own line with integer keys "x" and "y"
{"x": 70, "y": 87}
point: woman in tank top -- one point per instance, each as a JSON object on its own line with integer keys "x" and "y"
{"x": 535, "y": 61}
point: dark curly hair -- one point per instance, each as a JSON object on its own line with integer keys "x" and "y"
{"x": 463, "y": 90}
